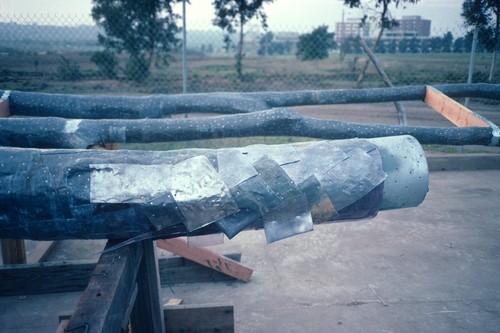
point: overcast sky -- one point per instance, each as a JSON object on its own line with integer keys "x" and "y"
{"x": 302, "y": 15}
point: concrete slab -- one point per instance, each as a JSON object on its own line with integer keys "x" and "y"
{"x": 433, "y": 268}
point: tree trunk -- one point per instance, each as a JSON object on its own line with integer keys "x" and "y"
{"x": 497, "y": 37}
{"x": 63, "y": 194}
{"x": 239, "y": 56}
{"x": 361, "y": 76}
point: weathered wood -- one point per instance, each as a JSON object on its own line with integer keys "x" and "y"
{"x": 199, "y": 318}
{"x": 452, "y": 110}
{"x": 206, "y": 257}
{"x": 180, "y": 270}
{"x": 13, "y": 251}
{"x": 158, "y": 106}
{"x": 4, "y": 108}
{"x": 44, "y": 278}
{"x": 63, "y": 323}
{"x": 104, "y": 302}
{"x": 147, "y": 314}
{"x": 62, "y": 133}
{"x": 67, "y": 276}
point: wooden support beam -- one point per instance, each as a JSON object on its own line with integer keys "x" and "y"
{"x": 13, "y": 251}
{"x": 104, "y": 303}
{"x": 147, "y": 314}
{"x": 54, "y": 277}
{"x": 43, "y": 278}
{"x": 452, "y": 110}
{"x": 177, "y": 270}
{"x": 4, "y": 108}
{"x": 206, "y": 257}
{"x": 199, "y": 318}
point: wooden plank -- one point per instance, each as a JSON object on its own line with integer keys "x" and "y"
{"x": 41, "y": 251}
{"x": 4, "y": 108}
{"x": 59, "y": 276}
{"x": 147, "y": 314}
{"x": 173, "y": 301}
{"x": 104, "y": 302}
{"x": 199, "y": 318}
{"x": 206, "y": 257}
{"x": 181, "y": 270}
{"x": 13, "y": 251}
{"x": 43, "y": 278}
{"x": 63, "y": 323}
{"x": 452, "y": 110}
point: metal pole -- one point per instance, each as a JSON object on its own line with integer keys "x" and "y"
{"x": 471, "y": 72}
{"x": 184, "y": 41}
{"x": 471, "y": 63}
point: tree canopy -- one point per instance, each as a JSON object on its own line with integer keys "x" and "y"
{"x": 484, "y": 15}
{"x": 232, "y": 14}
{"x": 144, "y": 29}
{"x": 316, "y": 44}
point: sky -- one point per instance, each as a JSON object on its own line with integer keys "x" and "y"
{"x": 283, "y": 15}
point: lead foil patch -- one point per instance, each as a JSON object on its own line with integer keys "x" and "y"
{"x": 200, "y": 192}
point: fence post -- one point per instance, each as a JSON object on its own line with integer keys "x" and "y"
{"x": 184, "y": 55}
{"x": 471, "y": 63}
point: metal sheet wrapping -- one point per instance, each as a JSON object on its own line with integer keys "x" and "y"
{"x": 59, "y": 194}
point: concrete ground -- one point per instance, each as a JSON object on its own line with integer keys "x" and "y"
{"x": 433, "y": 268}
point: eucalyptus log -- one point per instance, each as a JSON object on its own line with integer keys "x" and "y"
{"x": 61, "y": 194}
{"x": 158, "y": 106}
{"x": 82, "y": 133}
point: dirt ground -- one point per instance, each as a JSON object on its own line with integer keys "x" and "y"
{"x": 417, "y": 113}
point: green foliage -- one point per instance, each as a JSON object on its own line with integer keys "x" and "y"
{"x": 106, "y": 62}
{"x": 68, "y": 70}
{"x": 137, "y": 69}
{"x": 230, "y": 14}
{"x": 267, "y": 45}
{"x": 316, "y": 44}
{"x": 485, "y": 16}
{"x": 144, "y": 29}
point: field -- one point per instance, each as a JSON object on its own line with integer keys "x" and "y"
{"x": 29, "y": 71}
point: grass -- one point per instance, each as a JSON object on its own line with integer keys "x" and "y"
{"x": 30, "y": 71}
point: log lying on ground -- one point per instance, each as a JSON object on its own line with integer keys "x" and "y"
{"x": 159, "y": 106}
{"x": 73, "y": 133}
{"x": 60, "y": 194}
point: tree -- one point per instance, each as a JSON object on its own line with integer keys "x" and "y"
{"x": 232, "y": 14}
{"x": 459, "y": 45}
{"x": 316, "y": 44}
{"x": 265, "y": 44}
{"x": 106, "y": 62}
{"x": 384, "y": 19}
{"x": 144, "y": 29}
{"x": 447, "y": 42}
{"x": 484, "y": 15}
{"x": 414, "y": 45}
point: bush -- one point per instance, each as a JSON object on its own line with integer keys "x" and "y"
{"x": 137, "y": 69}
{"x": 106, "y": 62}
{"x": 315, "y": 45}
{"x": 68, "y": 70}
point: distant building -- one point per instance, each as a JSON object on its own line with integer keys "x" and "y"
{"x": 351, "y": 28}
{"x": 410, "y": 26}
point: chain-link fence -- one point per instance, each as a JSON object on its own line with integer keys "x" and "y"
{"x": 59, "y": 54}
